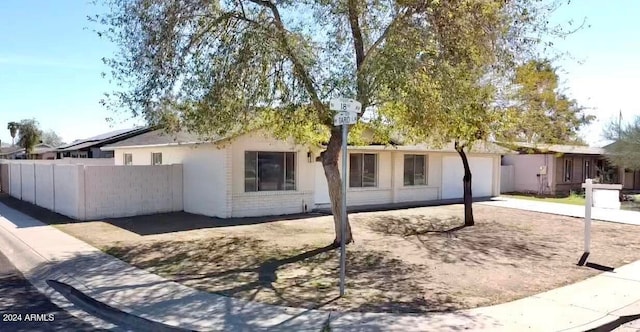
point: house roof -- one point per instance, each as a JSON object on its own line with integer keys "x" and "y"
{"x": 159, "y": 137}
{"x": 4, "y": 151}
{"x": 37, "y": 149}
{"x": 554, "y": 148}
{"x": 486, "y": 148}
{"x": 102, "y": 139}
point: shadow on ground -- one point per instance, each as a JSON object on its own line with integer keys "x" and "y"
{"x": 253, "y": 270}
{"x": 448, "y": 240}
{"x": 160, "y": 223}
{"x": 162, "y": 301}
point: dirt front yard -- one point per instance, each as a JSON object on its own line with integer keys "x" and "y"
{"x": 402, "y": 261}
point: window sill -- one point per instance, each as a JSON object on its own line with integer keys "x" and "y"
{"x": 419, "y": 186}
{"x": 272, "y": 193}
{"x": 366, "y": 189}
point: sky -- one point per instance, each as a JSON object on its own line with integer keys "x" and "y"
{"x": 50, "y": 65}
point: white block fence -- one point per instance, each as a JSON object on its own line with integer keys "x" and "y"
{"x": 86, "y": 192}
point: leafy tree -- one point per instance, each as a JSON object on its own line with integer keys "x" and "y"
{"x": 13, "y": 130}
{"x": 624, "y": 152}
{"x": 29, "y": 135}
{"x": 219, "y": 67}
{"x": 459, "y": 95}
{"x": 544, "y": 114}
{"x": 51, "y": 138}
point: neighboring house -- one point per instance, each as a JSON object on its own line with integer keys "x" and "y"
{"x": 629, "y": 178}
{"x": 254, "y": 174}
{"x": 557, "y": 169}
{"x": 40, "y": 151}
{"x": 90, "y": 147}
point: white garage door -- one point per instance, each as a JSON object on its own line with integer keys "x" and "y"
{"x": 481, "y": 177}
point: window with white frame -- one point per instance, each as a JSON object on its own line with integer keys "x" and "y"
{"x": 363, "y": 170}
{"x": 568, "y": 169}
{"x": 156, "y": 158}
{"x": 127, "y": 159}
{"x": 415, "y": 169}
{"x": 269, "y": 171}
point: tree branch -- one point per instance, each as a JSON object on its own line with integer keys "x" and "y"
{"x": 298, "y": 67}
{"x": 386, "y": 32}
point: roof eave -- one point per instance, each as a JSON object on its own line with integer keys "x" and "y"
{"x": 112, "y": 148}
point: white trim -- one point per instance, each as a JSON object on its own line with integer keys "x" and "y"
{"x": 112, "y": 148}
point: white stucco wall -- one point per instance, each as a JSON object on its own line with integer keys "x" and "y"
{"x": 142, "y": 156}
{"x": 526, "y": 167}
{"x": 44, "y": 186}
{"x": 205, "y": 180}
{"x": 204, "y": 174}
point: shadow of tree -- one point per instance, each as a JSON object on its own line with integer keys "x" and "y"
{"x": 306, "y": 278}
{"x": 447, "y": 240}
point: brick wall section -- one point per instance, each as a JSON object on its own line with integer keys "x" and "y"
{"x": 122, "y": 191}
{"x": 417, "y": 193}
{"x": 366, "y": 196}
{"x": 271, "y": 203}
{"x": 92, "y": 192}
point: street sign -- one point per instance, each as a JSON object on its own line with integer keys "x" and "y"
{"x": 343, "y": 118}
{"x": 345, "y": 105}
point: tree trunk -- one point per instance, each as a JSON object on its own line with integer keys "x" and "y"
{"x": 466, "y": 181}
{"x": 331, "y": 171}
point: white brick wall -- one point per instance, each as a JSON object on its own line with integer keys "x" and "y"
{"x": 271, "y": 203}
{"x": 91, "y": 192}
{"x": 417, "y": 194}
{"x": 121, "y": 191}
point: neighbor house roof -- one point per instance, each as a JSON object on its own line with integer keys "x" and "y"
{"x": 554, "y": 148}
{"x": 37, "y": 149}
{"x": 4, "y": 151}
{"x": 159, "y": 137}
{"x": 103, "y": 139}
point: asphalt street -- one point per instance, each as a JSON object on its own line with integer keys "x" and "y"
{"x": 24, "y": 308}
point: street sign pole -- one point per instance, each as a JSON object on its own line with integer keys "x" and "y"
{"x": 347, "y": 113}
{"x": 343, "y": 219}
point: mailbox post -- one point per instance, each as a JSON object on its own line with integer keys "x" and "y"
{"x": 589, "y": 186}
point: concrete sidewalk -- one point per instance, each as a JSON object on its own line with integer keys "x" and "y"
{"x": 619, "y": 216}
{"x": 42, "y": 252}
